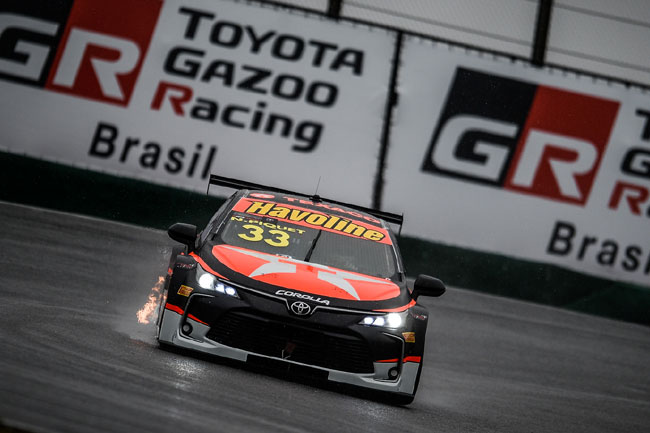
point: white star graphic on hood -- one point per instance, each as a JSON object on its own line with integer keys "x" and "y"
{"x": 335, "y": 277}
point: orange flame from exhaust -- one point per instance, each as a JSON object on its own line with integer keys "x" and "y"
{"x": 146, "y": 312}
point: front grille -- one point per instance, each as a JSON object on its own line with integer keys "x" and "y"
{"x": 334, "y": 350}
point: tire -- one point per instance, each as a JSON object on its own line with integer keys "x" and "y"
{"x": 401, "y": 399}
{"x": 417, "y": 378}
{"x": 161, "y": 308}
{"x": 165, "y": 291}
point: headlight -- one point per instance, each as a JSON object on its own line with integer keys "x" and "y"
{"x": 209, "y": 282}
{"x": 390, "y": 320}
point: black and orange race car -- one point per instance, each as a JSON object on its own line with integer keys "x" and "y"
{"x": 279, "y": 277}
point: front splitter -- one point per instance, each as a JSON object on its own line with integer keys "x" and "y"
{"x": 170, "y": 333}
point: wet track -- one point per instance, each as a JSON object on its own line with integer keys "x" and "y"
{"x": 74, "y": 358}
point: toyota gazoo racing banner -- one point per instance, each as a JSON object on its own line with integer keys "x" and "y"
{"x": 171, "y": 91}
{"x": 529, "y": 163}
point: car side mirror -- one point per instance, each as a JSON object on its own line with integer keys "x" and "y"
{"x": 426, "y": 285}
{"x": 183, "y": 233}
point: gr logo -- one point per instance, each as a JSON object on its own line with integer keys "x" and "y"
{"x": 92, "y": 48}
{"x": 521, "y": 136}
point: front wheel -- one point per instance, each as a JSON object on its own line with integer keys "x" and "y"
{"x": 161, "y": 306}
{"x": 401, "y": 399}
{"x": 165, "y": 290}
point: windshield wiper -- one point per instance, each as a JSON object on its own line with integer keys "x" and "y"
{"x": 313, "y": 245}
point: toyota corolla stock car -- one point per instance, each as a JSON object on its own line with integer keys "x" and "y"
{"x": 299, "y": 281}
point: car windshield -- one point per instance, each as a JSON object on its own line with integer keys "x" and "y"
{"x": 272, "y": 236}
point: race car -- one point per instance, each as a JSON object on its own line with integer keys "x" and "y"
{"x": 278, "y": 277}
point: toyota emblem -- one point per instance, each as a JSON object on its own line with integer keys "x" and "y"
{"x": 300, "y": 308}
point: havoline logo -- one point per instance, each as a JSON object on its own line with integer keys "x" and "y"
{"x": 521, "y": 136}
{"x": 92, "y": 48}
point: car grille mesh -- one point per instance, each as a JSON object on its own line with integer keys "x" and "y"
{"x": 269, "y": 337}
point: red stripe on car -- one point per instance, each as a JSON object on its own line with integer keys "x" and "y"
{"x": 193, "y": 317}
{"x": 174, "y": 308}
{"x": 180, "y": 311}
{"x": 398, "y": 309}
{"x": 205, "y": 266}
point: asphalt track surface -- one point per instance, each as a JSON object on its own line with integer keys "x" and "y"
{"x": 75, "y": 359}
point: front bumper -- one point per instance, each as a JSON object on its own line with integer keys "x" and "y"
{"x": 337, "y": 357}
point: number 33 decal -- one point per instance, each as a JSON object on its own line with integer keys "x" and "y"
{"x": 256, "y": 234}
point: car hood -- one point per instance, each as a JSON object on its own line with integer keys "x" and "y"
{"x": 271, "y": 272}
